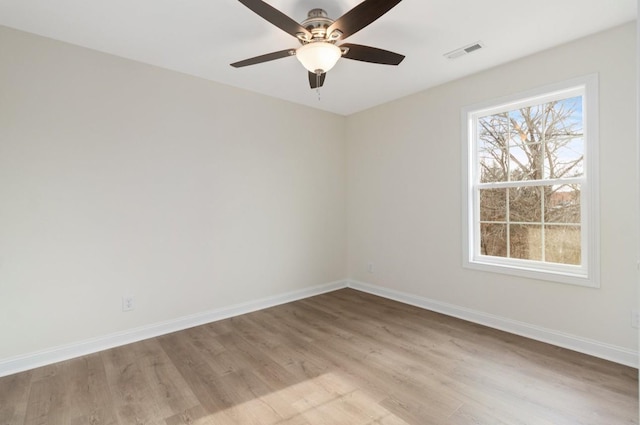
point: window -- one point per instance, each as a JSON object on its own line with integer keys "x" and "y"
{"x": 530, "y": 187}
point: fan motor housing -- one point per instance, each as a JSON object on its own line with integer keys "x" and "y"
{"x": 317, "y": 23}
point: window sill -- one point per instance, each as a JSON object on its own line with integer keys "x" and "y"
{"x": 531, "y": 271}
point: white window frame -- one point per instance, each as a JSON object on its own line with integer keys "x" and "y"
{"x": 588, "y": 273}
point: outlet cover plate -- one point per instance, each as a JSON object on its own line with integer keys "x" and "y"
{"x": 128, "y": 303}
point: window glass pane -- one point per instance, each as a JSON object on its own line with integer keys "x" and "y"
{"x": 493, "y": 204}
{"x": 525, "y": 241}
{"x": 564, "y": 138}
{"x": 492, "y": 148}
{"x": 525, "y": 204}
{"x": 527, "y": 126}
{"x": 562, "y": 204}
{"x": 493, "y": 239}
{"x": 562, "y": 244}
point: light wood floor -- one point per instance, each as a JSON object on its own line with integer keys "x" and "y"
{"x": 341, "y": 358}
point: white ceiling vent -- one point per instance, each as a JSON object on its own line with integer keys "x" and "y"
{"x": 464, "y": 50}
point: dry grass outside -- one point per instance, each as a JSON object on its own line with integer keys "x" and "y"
{"x": 560, "y": 244}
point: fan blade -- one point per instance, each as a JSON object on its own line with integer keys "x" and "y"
{"x": 264, "y": 58}
{"x": 316, "y": 80}
{"x": 277, "y": 18}
{"x": 361, "y": 16}
{"x": 371, "y": 54}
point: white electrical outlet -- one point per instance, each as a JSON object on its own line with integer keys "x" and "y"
{"x": 635, "y": 318}
{"x": 128, "y": 303}
{"x": 370, "y": 267}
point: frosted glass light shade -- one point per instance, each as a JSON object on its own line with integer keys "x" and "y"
{"x": 319, "y": 56}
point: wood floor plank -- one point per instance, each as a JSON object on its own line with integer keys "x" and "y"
{"x": 133, "y": 401}
{"x": 188, "y": 416}
{"x": 14, "y": 393}
{"x": 46, "y": 405}
{"x": 194, "y": 367}
{"x": 165, "y": 384}
{"x": 88, "y": 397}
{"x": 344, "y": 357}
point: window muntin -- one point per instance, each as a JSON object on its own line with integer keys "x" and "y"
{"x": 530, "y": 186}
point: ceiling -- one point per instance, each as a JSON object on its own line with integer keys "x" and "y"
{"x": 202, "y": 37}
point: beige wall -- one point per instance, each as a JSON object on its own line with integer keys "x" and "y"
{"x": 404, "y": 195}
{"x": 118, "y": 177}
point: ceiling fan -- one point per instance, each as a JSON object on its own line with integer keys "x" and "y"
{"x": 319, "y": 34}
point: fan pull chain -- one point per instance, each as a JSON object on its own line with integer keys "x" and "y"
{"x": 318, "y": 85}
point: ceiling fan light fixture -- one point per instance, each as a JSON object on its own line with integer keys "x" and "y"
{"x": 318, "y": 57}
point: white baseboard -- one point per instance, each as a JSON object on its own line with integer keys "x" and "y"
{"x": 21, "y": 363}
{"x": 56, "y": 354}
{"x": 583, "y": 345}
